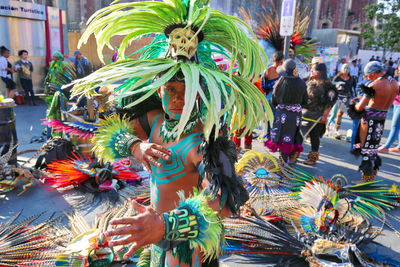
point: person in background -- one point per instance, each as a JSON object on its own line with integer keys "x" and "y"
{"x": 396, "y": 64}
{"x": 302, "y": 67}
{"x": 354, "y": 72}
{"x": 372, "y": 58}
{"x": 322, "y": 95}
{"x": 25, "y": 68}
{"x": 288, "y": 97}
{"x": 377, "y": 99}
{"x": 271, "y": 75}
{"x": 394, "y": 130}
{"x": 82, "y": 65}
{"x": 58, "y": 74}
{"x": 390, "y": 70}
{"x": 6, "y": 72}
{"x": 378, "y": 58}
{"x": 344, "y": 84}
{"x": 340, "y": 64}
{"x": 359, "y": 64}
{"x": 397, "y": 73}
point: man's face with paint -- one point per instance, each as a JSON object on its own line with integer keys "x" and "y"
{"x": 172, "y": 95}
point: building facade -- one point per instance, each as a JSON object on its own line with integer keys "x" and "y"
{"x": 340, "y": 14}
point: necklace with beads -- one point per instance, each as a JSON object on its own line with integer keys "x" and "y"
{"x": 166, "y": 129}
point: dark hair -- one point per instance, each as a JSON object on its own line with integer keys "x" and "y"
{"x": 321, "y": 67}
{"x": 178, "y": 76}
{"x": 289, "y": 91}
{"x": 278, "y": 56}
{"x": 3, "y": 49}
{"x": 20, "y": 52}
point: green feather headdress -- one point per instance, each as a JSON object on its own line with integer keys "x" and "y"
{"x": 224, "y": 90}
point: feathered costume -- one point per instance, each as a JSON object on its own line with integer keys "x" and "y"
{"x": 60, "y": 73}
{"x": 107, "y": 183}
{"x": 369, "y": 134}
{"x": 319, "y": 221}
{"x": 216, "y": 27}
{"x": 267, "y": 29}
{"x": 186, "y": 34}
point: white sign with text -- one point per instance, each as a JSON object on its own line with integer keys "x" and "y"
{"x": 22, "y": 10}
{"x": 287, "y": 17}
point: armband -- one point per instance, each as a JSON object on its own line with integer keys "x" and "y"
{"x": 123, "y": 142}
{"x": 354, "y": 114}
{"x": 181, "y": 225}
{"x": 113, "y": 139}
{"x": 194, "y": 221}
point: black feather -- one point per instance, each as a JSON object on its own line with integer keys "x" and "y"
{"x": 368, "y": 91}
{"x": 219, "y": 158}
{"x": 354, "y": 114}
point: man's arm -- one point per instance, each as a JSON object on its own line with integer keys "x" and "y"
{"x": 3, "y": 64}
{"x": 88, "y": 67}
{"x": 119, "y": 138}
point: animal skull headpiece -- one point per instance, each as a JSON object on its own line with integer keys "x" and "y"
{"x": 183, "y": 41}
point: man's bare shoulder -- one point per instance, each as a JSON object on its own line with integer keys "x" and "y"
{"x": 139, "y": 131}
{"x": 381, "y": 85}
{"x": 154, "y": 113}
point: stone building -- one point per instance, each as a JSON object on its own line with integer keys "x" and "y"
{"x": 340, "y": 14}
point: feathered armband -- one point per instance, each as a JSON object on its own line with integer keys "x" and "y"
{"x": 368, "y": 91}
{"x": 195, "y": 222}
{"x": 114, "y": 139}
{"x": 353, "y": 113}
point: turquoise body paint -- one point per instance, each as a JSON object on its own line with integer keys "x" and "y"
{"x": 165, "y": 98}
{"x": 196, "y": 262}
{"x": 173, "y": 168}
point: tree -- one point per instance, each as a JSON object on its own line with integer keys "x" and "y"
{"x": 382, "y": 29}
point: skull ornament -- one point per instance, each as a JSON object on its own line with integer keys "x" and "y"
{"x": 183, "y": 42}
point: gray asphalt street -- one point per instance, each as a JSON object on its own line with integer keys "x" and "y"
{"x": 335, "y": 159}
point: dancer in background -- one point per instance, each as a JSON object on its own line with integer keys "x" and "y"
{"x": 322, "y": 95}
{"x": 344, "y": 85}
{"x": 271, "y": 75}
{"x": 377, "y": 99}
{"x": 288, "y": 97}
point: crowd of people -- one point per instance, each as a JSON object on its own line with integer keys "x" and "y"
{"x": 175, "y": 111}
{"x": 24, "y": 69}
{"x": 309, "y": 114}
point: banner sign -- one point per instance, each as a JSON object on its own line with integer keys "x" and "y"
{"x": 22, "y": 10}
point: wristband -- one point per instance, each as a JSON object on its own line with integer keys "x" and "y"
{"x": 195, "y": 222}
{"x": 181, "y": 225}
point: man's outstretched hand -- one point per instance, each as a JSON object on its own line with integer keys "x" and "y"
{"x": 146, "y": 228}
{"x": 148, "y": 153}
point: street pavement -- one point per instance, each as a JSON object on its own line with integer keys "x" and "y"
{"x": 335, "y": 159}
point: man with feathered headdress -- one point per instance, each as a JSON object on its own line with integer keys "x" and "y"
{"x": 176, "y": 98}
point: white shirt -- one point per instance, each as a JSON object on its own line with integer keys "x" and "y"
{"x": 303, "y": 69}
{"x": 353, "y": 70}
{"x": 3, "y": 66}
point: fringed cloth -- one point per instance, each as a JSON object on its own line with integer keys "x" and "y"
{"x": 368, "y": 138}
{"x": 285, "y": 132}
